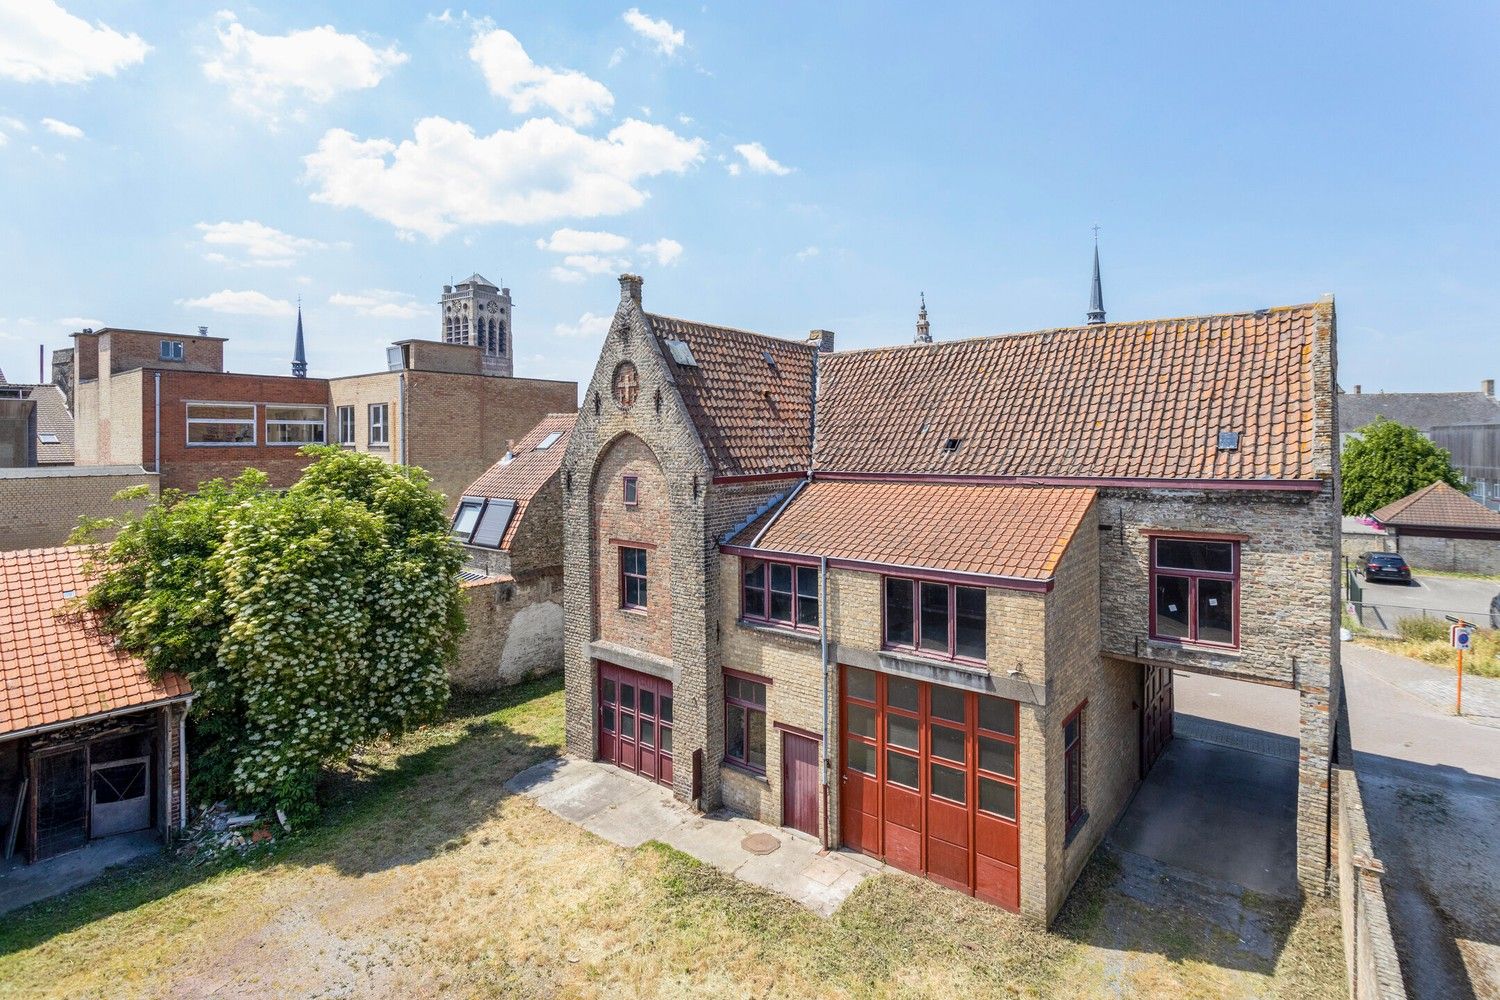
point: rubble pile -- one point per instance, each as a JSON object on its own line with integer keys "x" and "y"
{"x": 218, "y": 830}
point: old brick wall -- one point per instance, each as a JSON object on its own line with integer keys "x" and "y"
{"x": 123, "y": 350}
{"x": 436, "y": 356}
{"x": 536, "y": 543}
{"x": 39, "y": 507}
{"x": 1452, "y": 555}
{"x": 647, "y": 525}
{"x": 360, "y": 392}
{"x": 514, "y": 632}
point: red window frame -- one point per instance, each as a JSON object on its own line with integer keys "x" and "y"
{"x": 631, "y": 489}
{"x": 1073, "y": 770}
{"x": 1193, "y": 576}
{"x": 793, "y": 623}
{"x": 747, "y": 708}
{"x": 915, "y": 646}
{"x": 641, "y": 576}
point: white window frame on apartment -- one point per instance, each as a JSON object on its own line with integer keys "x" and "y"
{"x": 384, "y": 423}
{"x": 321, "y": 423}
{"x": 191, "y": 420}
{"x": 346, "y": 426}
{"x": 173, "y": 350}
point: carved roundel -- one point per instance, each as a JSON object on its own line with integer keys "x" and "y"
{"x": 627, "y": 384}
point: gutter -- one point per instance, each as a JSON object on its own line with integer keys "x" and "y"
{"x": 1105, "y": 482}
{"x": 97, "y": 717}
{"x": 1037, "y": 585}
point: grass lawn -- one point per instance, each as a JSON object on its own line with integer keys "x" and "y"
{"x": 427, "y": 879}
{"x": 1426, "y": 639}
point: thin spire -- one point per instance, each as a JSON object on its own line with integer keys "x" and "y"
{"x": 1096, "y": 297}
{"x": 299, "y": 353}
{"x": 924, "y": 328}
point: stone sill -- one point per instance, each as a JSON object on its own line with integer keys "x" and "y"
{"x": 1192, "y": 649}
{"x": 745, "y": 772}
{"x": 778, "y": 631}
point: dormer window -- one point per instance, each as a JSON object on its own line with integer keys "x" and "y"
{"x": 172, "y": 350}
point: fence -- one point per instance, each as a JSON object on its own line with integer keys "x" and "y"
{"x": 1386, "y": 615}
{"x": 1373, "y": 968}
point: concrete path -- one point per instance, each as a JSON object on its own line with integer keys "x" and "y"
{"x": 1436, "y": 686}
{"x": 628, "y": 810}
{"x": 21, "y": 884}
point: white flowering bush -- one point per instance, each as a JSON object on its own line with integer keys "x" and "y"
{"x": 309, "y": 621}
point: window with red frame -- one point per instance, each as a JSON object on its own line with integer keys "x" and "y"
{"x": 745, "y": 722}
{"x": 1073, "y": 766}
{"x": 632, "y": 578}
{"x": 779, "y": 593}
{"x": 935, "y": 619}
{"x": 1195, "y": 590}
{"x": 632, "y": 491}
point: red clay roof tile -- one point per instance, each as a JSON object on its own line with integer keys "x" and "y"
{"x": 1438, "y": 506}
{"x": 528, "y": 471}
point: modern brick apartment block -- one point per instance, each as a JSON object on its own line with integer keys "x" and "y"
{"x": 925, "y": 602}
{"x": 509, "y": 522}
{"x": 164, "y": 402}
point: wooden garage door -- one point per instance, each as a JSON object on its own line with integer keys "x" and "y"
{"x": 929, "y": 782}
{"x": 635, "y": 722}
{"x": 1156, "y": 714}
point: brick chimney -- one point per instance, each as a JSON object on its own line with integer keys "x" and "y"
{"x": 1488, "y": 385}
{"x": 822, "y": 340}
{"x": 630, "y": 287}
{"x": 1357, "y": 389}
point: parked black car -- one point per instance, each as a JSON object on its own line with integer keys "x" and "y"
{"x": 1383, "y": 566}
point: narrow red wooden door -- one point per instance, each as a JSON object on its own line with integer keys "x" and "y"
{"x": 799, "y": 783}
{"x": 1156, "y": 720}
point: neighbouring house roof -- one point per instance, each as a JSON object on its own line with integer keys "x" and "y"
{"x": 52, "y": 421}
{"x": 1438, "y": 506}
{"x": 527, "y": 469}
{"x": 1422, "y": 410}
{"x": 55, "y": 664}
{"x": 1118, "y": 400}
{"x": 1013, "y": 531}
{"x": 749, "y": 395}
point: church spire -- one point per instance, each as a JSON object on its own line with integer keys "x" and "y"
{"x": 1096, "y": 296}
{"x": 924, "y": 328}
{"x": 299, "y": 353}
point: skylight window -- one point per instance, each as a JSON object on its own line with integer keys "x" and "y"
{"x": 950, "y": 446}
{"x": 770, "y": 361}
{"x": 681, "y": 353}
{"x": 46, "y": 437}
{"x": 1229, "y": 440}
{"x": 549, "y": 441}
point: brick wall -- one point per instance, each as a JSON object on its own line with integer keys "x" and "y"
{"x": 648, "y": 523}
{"x": 1453, "y": 555}
{"x": 360, "y": 392}
{"x": 514, "y": 632}
{"x": 122, "y": 350}
{"x": 40, "y": 507}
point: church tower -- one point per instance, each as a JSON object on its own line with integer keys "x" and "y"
{"x": 924, "y": 328}
{"x": 477, "y": 312}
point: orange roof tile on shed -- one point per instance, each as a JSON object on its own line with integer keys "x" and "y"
{"x": 1014, "y": 531}
{"x": 529, "y": 469}
{"x": 1140, "y": 400}
{"x": 1438, "y": 506}
{"x": 55, "y": 664}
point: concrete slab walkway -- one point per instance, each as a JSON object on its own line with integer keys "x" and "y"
{"x": 1433, "y": 684}
{"x": 628, "y": 810}
{"x": 22, "y": 884}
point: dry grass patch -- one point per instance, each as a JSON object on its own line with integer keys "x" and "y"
{"x": 1426, "y": 639}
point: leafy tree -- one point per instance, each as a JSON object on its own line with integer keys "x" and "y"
{"x": 1388, "y": 461}
{"x": 309, "y": 620}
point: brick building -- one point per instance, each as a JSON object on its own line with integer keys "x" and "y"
{"x": 509, "y": 522}
{"x": 164, "y": 402}
{"x": 36, "y": 428}
{"x": 925, "y": 602}
{"x": 90, "y": 746}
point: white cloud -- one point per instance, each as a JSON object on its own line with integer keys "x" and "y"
{"x": 241, "y": 304}
{"x": 582, "y": 241}
{"x": 381, "y": 304}
{"x": 525, "y": 86}
{"x": 317, "y": 64}
{"x": 616, "y": 57}
{"x": 589, "y": 325}
{"x": 80, "y": 323}
{"x": 588, "y": 263}
{"x": 254, "y": 244}
{"x": 685, "y": 119}
{"x": 62, "y": 128}
{"x": 41, "y": 42}
{"x": 664, "y": 251}
{"x": 758, "y": 160}
{"x": 568, "y": 277}
{"x": 14, "y": 124}
{"x": 807, "y": 252}
{"x": 660, "y": 33}
{"x": 446, "y": 176}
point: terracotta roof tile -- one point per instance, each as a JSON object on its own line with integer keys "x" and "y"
{"x": 55, "y": 664}
{"x": 528, "y": 471}
{"x": 1121, "y": 400}
{"x": 1018, "y": 531}
{"x": 753, "y": 415}
{"x": 1438, "y": 506}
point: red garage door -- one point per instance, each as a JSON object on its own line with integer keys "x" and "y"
{"x": 929, "y": 782}
{"x": 635, "y": 722}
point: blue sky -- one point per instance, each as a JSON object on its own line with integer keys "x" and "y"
{"x": 776, "y": 167}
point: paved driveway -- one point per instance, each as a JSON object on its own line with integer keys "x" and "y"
{"x": 1436, "y": 594}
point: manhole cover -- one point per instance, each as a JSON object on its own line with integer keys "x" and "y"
{"x": 760, "y": 843}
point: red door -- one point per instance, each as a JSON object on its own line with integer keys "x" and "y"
{"x": 635, "y": 722}
{"x": 1156, "y": 715}
{"x": 929, "y": 782}
{"x": 799, "y": 783}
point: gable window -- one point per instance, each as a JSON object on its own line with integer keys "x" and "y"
{"x": 1195, "y": 590}
{"x": 380, "y": 425}
{"x": 1073, "y": 767}
{"x": 745, "y": 721}
{"x": 296, "y": 425}
{"x": 219, "y": 424}
{"x": 171, "y": 350}
{"x": 632, "y": 578}
{"x": 632, "y": 491}
{"x": 935, "y": 619}
{"x": 779, "y": 593}
{"x": 346, "y": 424}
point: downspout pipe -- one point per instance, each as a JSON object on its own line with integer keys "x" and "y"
{"x": 823, "y": 650}
{"x": 156, "y": 461}
{"x": 401, "y": 409}
{"x": 182, "y": 767}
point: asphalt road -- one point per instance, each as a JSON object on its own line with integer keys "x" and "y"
{"x": 1454, "y": 595}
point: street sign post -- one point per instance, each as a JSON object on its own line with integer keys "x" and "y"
{"x": 1461, "y": 637}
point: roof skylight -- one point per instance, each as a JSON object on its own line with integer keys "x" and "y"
{"x": 549, "y": 441}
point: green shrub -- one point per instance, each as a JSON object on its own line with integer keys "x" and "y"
{"x": 1423, "y": 629}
